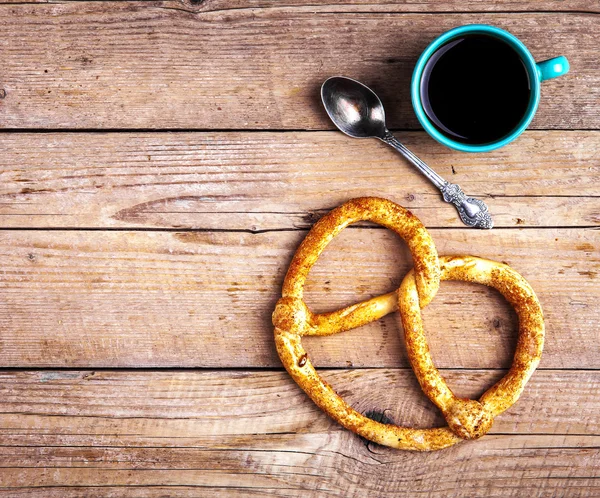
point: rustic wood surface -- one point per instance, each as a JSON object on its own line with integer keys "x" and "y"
{"x": 161, "y": 161}
{"x": 158, "y": 65}
{"x": 204, "y": 299}
{"x": 253, "y": 431}
{"x": 263, "y": 181}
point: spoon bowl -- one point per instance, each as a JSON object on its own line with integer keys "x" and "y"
{"x": 353, "y": 107}
{"x": 357, "y": 111}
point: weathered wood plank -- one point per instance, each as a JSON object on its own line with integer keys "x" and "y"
{"x": 154, "y": 491}
{"x": 370, "y": 6}
{"x": 67, "y": 408}
{"x": 500, "y": 467}
{"x": 155, "y": 65}
{"x": 400, "y": 6}
{"x": 571, "y": 487}
{"x": 256, "y": 431}
{"x": 81, "y": 298}
{"x": 261, "y": 181}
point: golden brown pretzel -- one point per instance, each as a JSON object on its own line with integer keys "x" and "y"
{"x": 292, "y": 320}
{"x": 467, "y": 418}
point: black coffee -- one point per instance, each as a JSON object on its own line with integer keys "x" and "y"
{"x": 475, "y": 89}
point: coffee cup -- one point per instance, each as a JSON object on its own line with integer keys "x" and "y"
{"x": 476, "y": 88}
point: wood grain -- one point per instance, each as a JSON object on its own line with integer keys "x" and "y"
{"x": 263, "y": 181}
{"x": 97, "y": 298}
{"x": 178, "y": 152}
{"x": 64, "y": 433}
{"x": 157, "y": 65}
{"x": 314, "y": 466}
{"x": 370, "y": 6}
{"x": 399, "y": 6}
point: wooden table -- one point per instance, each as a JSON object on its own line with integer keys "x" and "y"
{"x": 161, "y": 160}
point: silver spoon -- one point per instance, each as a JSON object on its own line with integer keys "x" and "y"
{"x": 357, "y": 111}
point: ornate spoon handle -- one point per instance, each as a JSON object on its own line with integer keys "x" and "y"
{"x": 472, "y": 212}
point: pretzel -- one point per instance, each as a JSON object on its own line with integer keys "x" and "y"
{"x": 467, "y": 419}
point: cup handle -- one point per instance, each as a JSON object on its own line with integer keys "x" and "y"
{"x": 552, "y": 68}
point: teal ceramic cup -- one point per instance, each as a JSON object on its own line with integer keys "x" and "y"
{"x": 537, "y": 72}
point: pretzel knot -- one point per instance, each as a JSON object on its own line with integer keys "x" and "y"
{"x": 467, "y": 419}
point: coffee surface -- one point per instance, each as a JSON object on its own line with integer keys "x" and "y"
{"x": 475, "y": 89}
